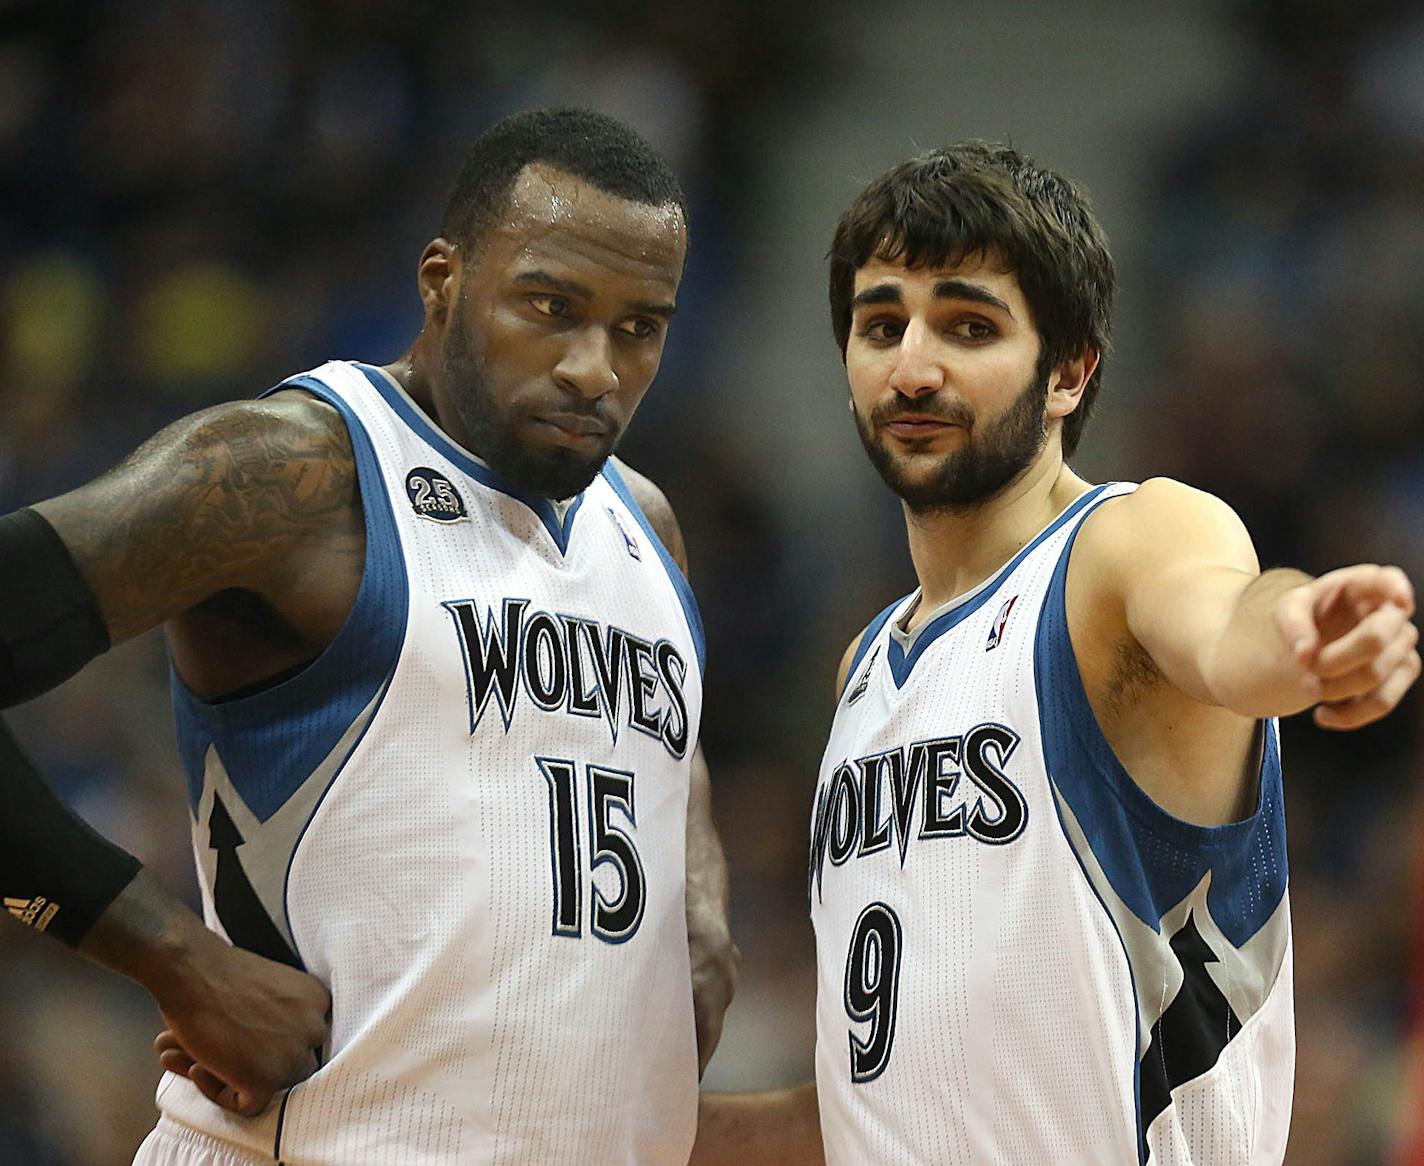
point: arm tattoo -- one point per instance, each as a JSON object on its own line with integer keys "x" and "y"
{"x": 218, "y": 500}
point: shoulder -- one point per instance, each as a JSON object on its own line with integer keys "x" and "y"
{"x": 656, "y": 509}
{"x": 246, "y": 442}
{"x": 1162, "y": 522}
{"x": 290, "y": 425}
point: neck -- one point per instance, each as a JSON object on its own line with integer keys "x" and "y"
{"x": 411, "y": 372}
{"x": 954, "y": 551}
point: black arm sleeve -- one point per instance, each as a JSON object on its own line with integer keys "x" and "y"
{"x": 50, "y": 626}
{"x": 56, "y": 873}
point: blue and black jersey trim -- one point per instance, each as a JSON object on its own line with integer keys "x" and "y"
{"x": 270, "y": 742}
{"x": 1153, "y": 866}
{"x": 1152, "y": 859}
{"x": 559, "y": 528}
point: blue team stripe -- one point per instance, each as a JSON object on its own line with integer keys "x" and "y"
{"x": 1132, "y": 979}
{"x": 1151, "y": 858}
{"x": 404, "y": 408}
{"x": 902, "y": 664}
{"x": 272, "y": 741}
{"x": 679, "y": 580}
{"x": 872, "y": 630}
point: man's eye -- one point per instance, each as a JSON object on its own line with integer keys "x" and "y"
{"x": 552, "y": 305}
{"x": 640, "y": 328}
{"x": 881, "y": 331}
{"x": 974, "y": 329}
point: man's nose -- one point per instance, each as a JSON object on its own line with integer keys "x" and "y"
{"x": 586, "y": 367}
{"x": 917, "y": 370}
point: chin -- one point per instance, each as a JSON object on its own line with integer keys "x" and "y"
{"x": 554, "y": 473}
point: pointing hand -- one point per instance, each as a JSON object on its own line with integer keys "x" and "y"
{"x": 1351, "y": 635}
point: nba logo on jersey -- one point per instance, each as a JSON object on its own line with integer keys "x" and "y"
{"x": 996, "y": 633}
{"x": 633, "y": 548}
{"x": 433, "y": 496}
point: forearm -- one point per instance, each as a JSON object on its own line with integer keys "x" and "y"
{"x": 781, "y": 1128}
{"x": 708, "y": 886}
{"x": 56, "y": 874}
{"x": 713, "y": 957}
{"x": 154, "y": 940}
{"x": 1249, "y": 666}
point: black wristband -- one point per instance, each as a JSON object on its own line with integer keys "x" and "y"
{"x": 56, "y": 874}
{"x": 50, "y": 625}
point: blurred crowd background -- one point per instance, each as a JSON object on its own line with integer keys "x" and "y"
{"x": 201, "y": 197}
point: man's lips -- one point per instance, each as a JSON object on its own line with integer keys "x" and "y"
{"x": 912, "y": 425}
{"x": 577, "y": 429}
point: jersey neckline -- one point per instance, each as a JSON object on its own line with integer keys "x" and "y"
{"x": 902, "y": 650}
{"x": 557, "y": 519}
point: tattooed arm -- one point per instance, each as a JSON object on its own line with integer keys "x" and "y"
{"x": 715, "y": 958}
{"x": 255, "y": 499}
{"x": 245, "y": 513}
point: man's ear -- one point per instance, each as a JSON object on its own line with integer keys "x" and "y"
{"x": 438, "y": 277}
{"x": 1067, "y": 382}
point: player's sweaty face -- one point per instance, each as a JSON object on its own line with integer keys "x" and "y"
{"x": 942, "y": 369}
{"x": 558, "y": 328}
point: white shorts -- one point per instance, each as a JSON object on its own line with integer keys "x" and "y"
{"x": 172, "y": 1144}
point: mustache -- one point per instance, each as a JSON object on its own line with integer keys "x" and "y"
{"x": 569, "y": 406}
{"x": 951, "y": 412}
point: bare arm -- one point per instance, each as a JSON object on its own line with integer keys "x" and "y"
{"x": 781, "y": 1128}
{"x": 241, "y": 496}
{"x": 714, "y": 957}
{"x": 255, "y": 1024}
{"x": 252, "y": 496}
{"x": 1271, "y": 644}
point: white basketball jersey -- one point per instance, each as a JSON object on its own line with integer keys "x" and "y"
{"x": 1021, "y": 957}
{"x": 468, "y": 817}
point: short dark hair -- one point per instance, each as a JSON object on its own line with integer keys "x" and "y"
{"x": 973, "y": 198}
{"x": 591, "y": 146}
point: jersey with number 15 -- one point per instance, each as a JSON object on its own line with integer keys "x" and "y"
{"x": 468, "y": 818}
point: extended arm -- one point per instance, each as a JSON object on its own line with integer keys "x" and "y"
{"x": 1257, "y": 644}
{"x": 714, "y": 957}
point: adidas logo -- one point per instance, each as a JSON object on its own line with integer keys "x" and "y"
{"x": 36, "y": 912}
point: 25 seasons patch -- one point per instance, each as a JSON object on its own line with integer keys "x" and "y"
{"x": 433, "y": 496}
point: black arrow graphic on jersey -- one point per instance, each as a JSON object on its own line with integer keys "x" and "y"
{"x": 1189, "y": 1037}
{"x": 243, "y": 917}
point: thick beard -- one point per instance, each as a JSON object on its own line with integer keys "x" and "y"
{"x": 546, "y": 471}
{"x": 979, "y": 469}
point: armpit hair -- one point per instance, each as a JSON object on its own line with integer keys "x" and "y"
{"x": 1134, "y": 674}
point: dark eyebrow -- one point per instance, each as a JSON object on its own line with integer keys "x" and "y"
{"x": 958, "y": 289}
{"x": 568, "y": 287}
{"x": 945, "y": 289}
{"x": 880, "y": 293}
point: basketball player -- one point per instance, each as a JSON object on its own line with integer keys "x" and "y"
{"x": 1047, "y": 865}
{"x": 438, "y": 680}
